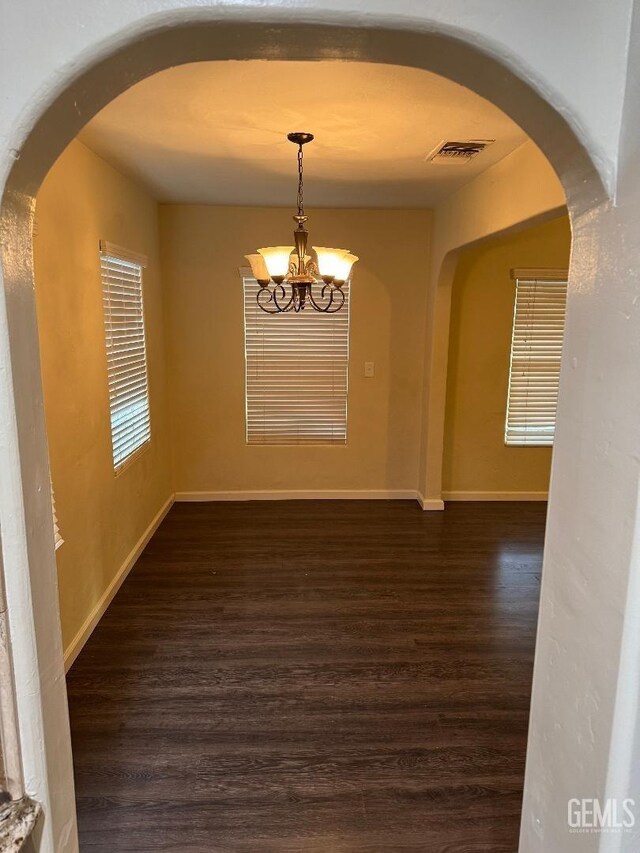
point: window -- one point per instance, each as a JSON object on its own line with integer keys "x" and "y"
{"x": 57, "y": 536}
{"x": 126, "y": 351}
{"x": 296, "y": 373}
{"x": 536, "y": 348}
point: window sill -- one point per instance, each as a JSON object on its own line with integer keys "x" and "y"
{"x": 302, "y": 444}
{"x": 17, "y": 823}
{"x": 132, "y": 458}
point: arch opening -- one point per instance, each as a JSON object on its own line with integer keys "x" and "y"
{"x": 142, "y": 55}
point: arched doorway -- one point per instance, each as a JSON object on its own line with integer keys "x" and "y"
{"x": 103, "y": 78}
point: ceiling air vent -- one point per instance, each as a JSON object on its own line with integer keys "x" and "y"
{"x": 457, "y": 153}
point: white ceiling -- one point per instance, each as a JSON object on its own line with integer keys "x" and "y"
{"x": 215, "y": 133}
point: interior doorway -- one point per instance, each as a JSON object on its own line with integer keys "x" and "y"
{"x": 35, "y": 162}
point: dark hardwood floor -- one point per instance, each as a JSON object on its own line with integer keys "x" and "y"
{"x": 313, "y": 676}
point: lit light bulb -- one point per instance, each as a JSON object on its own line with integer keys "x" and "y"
{"x": 276, "y": 259}
{"x": 328, "y": 260}
{"x": 344, "y": 267}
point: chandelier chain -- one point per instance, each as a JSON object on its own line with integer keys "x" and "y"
{"x": 288, "y": 277}
{"x": 300, "y": 182}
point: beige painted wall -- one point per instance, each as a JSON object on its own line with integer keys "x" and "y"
{"x": 82, "y": 200}
{"x": 202, "y": 250}
{"x": 521, "y": 188}
{"x": 475, "y": 456}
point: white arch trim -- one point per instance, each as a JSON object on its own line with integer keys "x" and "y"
{"x": 134, "y": 48}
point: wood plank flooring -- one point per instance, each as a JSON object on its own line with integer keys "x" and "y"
{"x": 317, "y": 677}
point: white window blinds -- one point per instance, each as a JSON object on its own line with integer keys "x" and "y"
{"x": 536, "y": 349}
{"x": 57, "y": 536}
{"x": 126, "y": 351}
{"x": 296, "y": 373}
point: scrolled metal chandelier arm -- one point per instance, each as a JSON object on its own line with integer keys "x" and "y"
{"x": 287, "y": 274}
{"x": 269, "y": 299}
{"x": 335, "y": 293}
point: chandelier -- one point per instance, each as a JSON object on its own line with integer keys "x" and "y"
{"x": 286, "y": 275}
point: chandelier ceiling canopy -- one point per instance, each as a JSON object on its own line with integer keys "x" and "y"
{"x": 287, "y": 274}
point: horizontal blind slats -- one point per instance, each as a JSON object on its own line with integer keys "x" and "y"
{"x": 536, "y": 350}
{"x": 57, "y": 535}
{"x": 296, "y": 374}
{"x": 126, "y": 356}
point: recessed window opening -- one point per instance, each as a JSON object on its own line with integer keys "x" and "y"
{"x": 126, "y": 351}
{"x": 536, "y": 350}
{"x": 296, "y": 373}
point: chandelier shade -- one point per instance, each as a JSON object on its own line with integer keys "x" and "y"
{"x": 328, "y": 260}
{"x": 287, "y": 274}
{"x": 344, "y": 266}
{"x": 276, "y": 259}
{"x": 258, "y": 268}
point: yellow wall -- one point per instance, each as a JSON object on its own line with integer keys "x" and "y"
{"x": 202, "y": 249}
{"x": 82, "y": 200}
{"x": 475, "y": 456}
{"x": 517, "y": 189}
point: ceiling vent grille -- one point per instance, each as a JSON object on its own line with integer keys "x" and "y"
{"x": 458, "y": 153}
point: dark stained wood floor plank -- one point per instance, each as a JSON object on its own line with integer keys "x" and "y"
{"x": 313, "y": 677}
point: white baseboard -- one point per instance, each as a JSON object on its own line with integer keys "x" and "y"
{"x": 495, "y": 496}
{"x": 315, "y": 494}
{"x": 430, "y": 504}
{"x": 76, "y": 645}
{"x": 301, "y": 494}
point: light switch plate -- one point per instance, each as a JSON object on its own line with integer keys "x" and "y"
{"x": 369, "y": 369}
